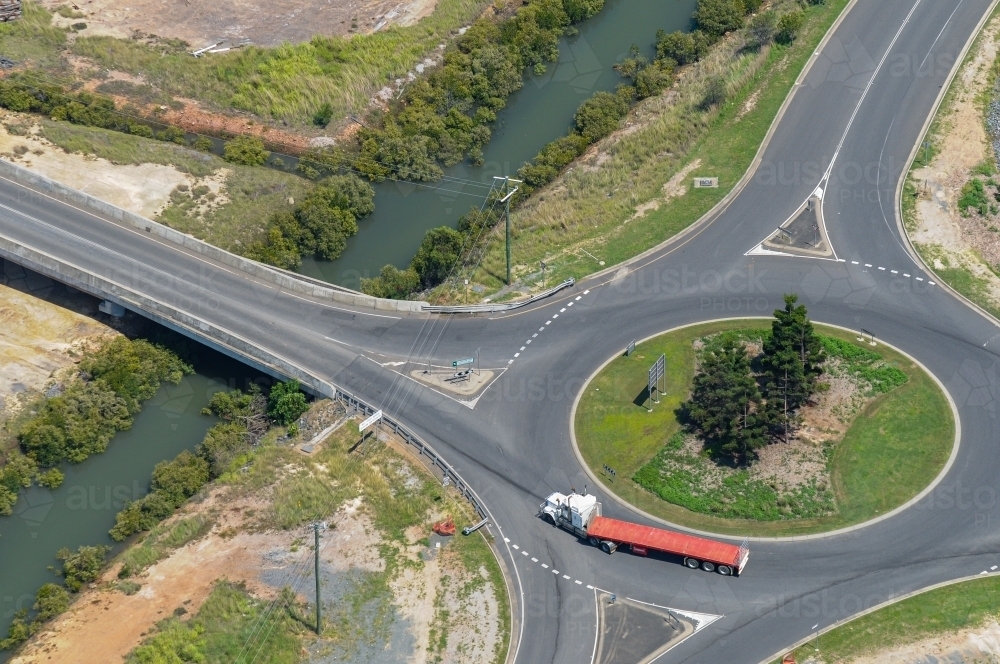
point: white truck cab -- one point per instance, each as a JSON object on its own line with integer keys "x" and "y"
{"x": 573, "y": 512}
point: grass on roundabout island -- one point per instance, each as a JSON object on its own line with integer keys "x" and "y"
{"x": 942, "y": 611}
{"x": 894, "y": 448}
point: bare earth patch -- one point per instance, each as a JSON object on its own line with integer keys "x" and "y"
{"x": 947, "y": 237}
{"x": 264, "y": 24}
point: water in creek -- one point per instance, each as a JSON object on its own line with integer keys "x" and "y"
{"x": 540, "y": 112}
{"x": 82, "y": 510}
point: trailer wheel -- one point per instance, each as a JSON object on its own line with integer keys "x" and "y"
{"x": 593, "y": 541}
{"x": 707, "y": 566}
{"x": 692, "y": 563}
{"x": 608, "y": 547}
{"x": 725, "y": 570}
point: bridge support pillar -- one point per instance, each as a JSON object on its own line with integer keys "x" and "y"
{"x": 111, "y": 308}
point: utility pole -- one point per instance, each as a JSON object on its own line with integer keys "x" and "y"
{"x": 319, "y": 624}
{"x": 508, "y": 193}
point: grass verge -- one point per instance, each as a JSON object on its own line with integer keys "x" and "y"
{"x": 592, "y": 206}
{"x": 891, "y": 452}
{"x": 940, "y": 612}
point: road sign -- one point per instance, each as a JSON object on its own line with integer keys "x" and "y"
{"x": 458, "y": 363}
{"x": 370, "y": 421}
{"x": 656, "y": 372}
{"x": 630, "y": 348}
{"x": 706, "y": 183}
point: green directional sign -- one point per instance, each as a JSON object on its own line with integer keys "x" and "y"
{"x": 458, "y": 363}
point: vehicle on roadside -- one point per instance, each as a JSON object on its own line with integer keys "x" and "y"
{"x": 581, "y": 515}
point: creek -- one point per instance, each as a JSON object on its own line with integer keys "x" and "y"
{"x": 535, "y": 115}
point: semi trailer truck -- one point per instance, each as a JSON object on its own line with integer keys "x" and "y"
{"x": 581, "y": 515}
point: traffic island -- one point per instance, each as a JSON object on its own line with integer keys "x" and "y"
{"x": 466, "y": 382}
{"x": 632, "y": 632}
{"x": 878, "y": 431}
{"x": 804, "y": 233}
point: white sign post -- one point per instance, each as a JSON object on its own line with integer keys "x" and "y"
{"x": 370, "y": 421}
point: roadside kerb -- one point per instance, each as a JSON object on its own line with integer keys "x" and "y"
{"x": 840, "y": 623}
{"x": 794, "y": 538}
{"x": 493, "y": 308}
{"x": 960, "y": 62}
{"x": 282, "y": 278}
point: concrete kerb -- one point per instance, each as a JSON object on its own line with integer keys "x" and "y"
{"x": 795, "y": 538}
{"x": 878, "y": 607}
{"x": 721, "y": 206}
{"x": 284, "y": 279}
{"x": 908, "y": 244}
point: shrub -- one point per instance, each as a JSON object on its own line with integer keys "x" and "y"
{"x": 788, "y": 26}
{"x": 82, "y": 566}
{"x": 554, "y": 157}
{"x": 973, "y": 196}
{"x": 601, "y": 114}
{"x": 181, "y": 478}
{"x": 51, "y": 479}
{"x": 50, "y": 601}
{"x": 717, "y": 17}
{"x": 440, "y": 250}
{"x": 202, "y": 143}
{"x": 392, "y": 283}
{"x": 762, "y": 29}
{"x": 580, "y": 10}
{"x": 245, "y": 150}
{"x": 323, "y": 115}
{"x": 682, "y": 47}
{"x": 715, "y": 92}
{"x": 286, "y": 402}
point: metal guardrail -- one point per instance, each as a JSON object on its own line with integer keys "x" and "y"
{"x": 422, "y": 448}
{"x": 493, "y": 308}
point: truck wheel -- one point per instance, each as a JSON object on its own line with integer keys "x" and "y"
{"x": 593, "y": 541}
{"x": 707, "y": 566}
{"x": 549, "y": 519}
{"x": 725, "y": 570}
{"x": 608, "y": 547}
{"x": 692, "y": 563}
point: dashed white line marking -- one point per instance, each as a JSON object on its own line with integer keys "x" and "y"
{"x": 570, "y": 304}
{"x": 906, "y": 275}
{"x": 506, "y": 540}
{"x": 579, "y": 583}
{"x": 868, "y": 264}
{"x": 590, "y": 587}
{"x": 894, "y": 271}
{"x": 522, "y": 347}
{"x": 881, "y": 268}
{"x": 854, "y": 262}
{"x": 584, "y": 292}
{"x": 524, "y": 553}
{"x": 932, "y": 283}
{"x": 555, "y": 571}
{"x": 534, "y": 560}
{"x": 562, "y": 310}
{"x": 541, "y": 329}
{"x": 566, "y": 576}
{"x": 578, "y": 297}
{"x": 548, "y": 322}
{"x": 535, "y": 335}
{"x": 517, "y": 354}
{"x": 554, "y": 316}
{"x": 510, "y": 361}
{"x": 993, "y": 568}
{"x": 545, "y": 566}
{"x": 515, "y": 546}
{"x": 920, "y": 278}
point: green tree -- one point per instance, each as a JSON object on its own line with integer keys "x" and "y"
{"x": 52, "y": 478}
{"x": 683, "y": 48}
{"x": 717, "y": 17}
{"x": 392, "y": 283}
{"x": 725, "y": 404}
{"x": 762, "y": 29}
{"x": 439, "y": 251}
{"x": 245, "y": 150}
{"x": 286, "y": 402}
{"x": 792, "y": 360}
{"x": 50, "y": 601}
{"x": 181, "y": 478}
{"x": 82, "y": 566}
{"x": 601, "y": 114}
{"x": 581, "y": 10}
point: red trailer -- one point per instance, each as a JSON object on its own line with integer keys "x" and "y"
{"x": 697, "y": 552}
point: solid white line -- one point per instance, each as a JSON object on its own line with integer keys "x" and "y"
{"x": 597, "y": 623}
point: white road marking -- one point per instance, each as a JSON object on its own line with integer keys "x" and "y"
{"x": 555, "y": 571}
{"x": 566, "y": 576}
{"x": 545, "y": 566}
{"x": 579, "y": 583}
{"x": 517, "y": 354}
{"x": 854, "y": 262}
{"x": 548, "y": 322}
{"x": 920, "y": 279}
{"x": 522, "y": 347}
{"x": 584, "y": 292}
{"x": 562, "y": 310}
{"x": 932, "y": 283}
{"x": 868, "y": 264}
{"x": 524, "y": 553}
{"x": 515, "y": 546}
{"x": 555, "y": 316}
{"x": 906, "y": 275}
{"x": 881, "y": 268}
{"x": 510, "y": 361}
{"x": 506, "y": 540}
{"x": 570, "y": 304}
{"x": 534, "y": 560}
{"x": 578, "y": 297}
{"x": 894, "y": 271}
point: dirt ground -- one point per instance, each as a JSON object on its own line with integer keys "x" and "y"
{"x": 38, "y": 339}
{"x": 962, "y": 143}
{"x": 434, "y": 594}
{"x": 201, "y": 23}
{"x": 970, "y": 646}
{"x": 143, "y": 189}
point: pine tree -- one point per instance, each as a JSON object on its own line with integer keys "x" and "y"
{"x": 725, "y": 404}
{"x": 793, "y": 358}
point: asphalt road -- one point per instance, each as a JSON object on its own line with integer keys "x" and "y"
{"x": 856, "y": 116}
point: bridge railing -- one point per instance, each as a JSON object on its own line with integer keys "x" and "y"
{"x": 422, "y": 449}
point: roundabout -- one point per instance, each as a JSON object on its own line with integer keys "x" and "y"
{"x": 878, "y": 441}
